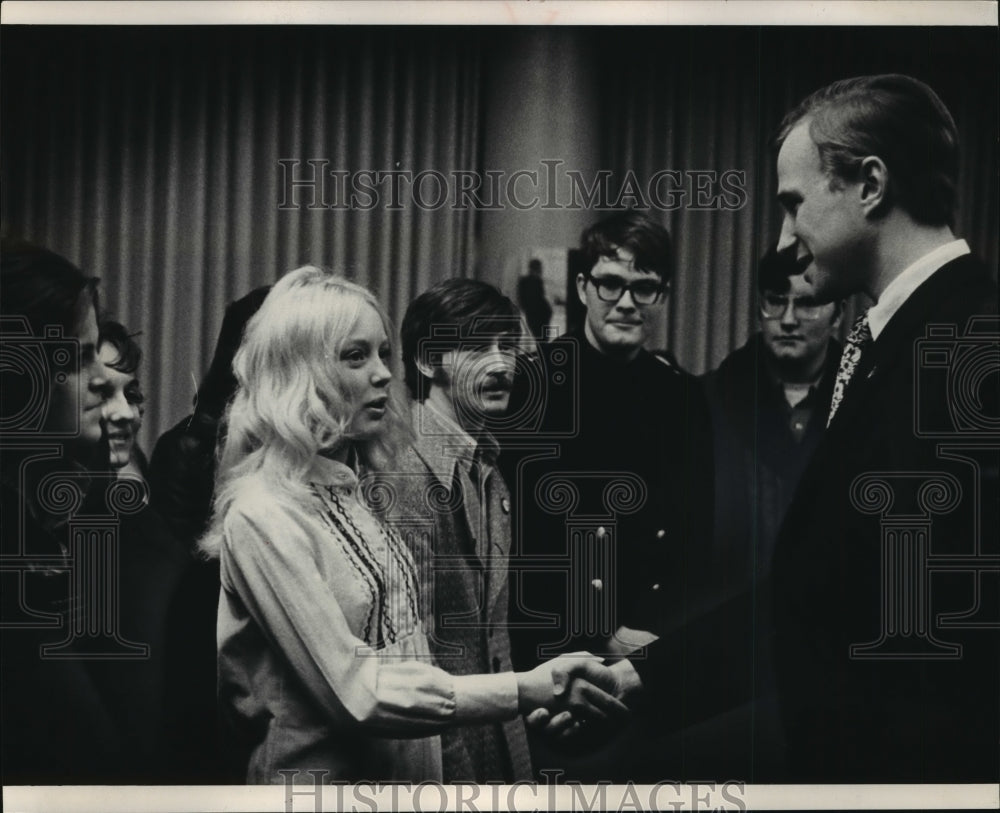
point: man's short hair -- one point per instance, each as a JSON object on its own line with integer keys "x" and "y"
{"x": 900, "y": 120}
{"x": 451, "y": 312}
{"x": 774, "y": 269}
{"x": 129, "y": 352}
{"x": 647, "y": 240}
{"x": 42, "y": 287}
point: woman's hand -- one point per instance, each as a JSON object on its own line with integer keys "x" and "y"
{"x": 556, "y": 723}
{"x": 577, "y": 683}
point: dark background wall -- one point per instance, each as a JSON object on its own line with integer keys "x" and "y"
{"x": 152, "y": 157}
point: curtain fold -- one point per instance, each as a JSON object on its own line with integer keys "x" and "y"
{"x": 691, "y": 99}
{"x": 150, "y": 157}
{"x": 672, "y": 114}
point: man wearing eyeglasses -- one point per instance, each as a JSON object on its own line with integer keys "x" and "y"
{"x": 769, "y": 402}
{"x": 639, "y": 465}
{"x": 621, "y": 288}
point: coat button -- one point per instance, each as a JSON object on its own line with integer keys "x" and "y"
{"x": 656, "y": 587}
{"x": 496, "y": 664}
{"x": 505, "y": 505}
{"x": 661, "y": 533}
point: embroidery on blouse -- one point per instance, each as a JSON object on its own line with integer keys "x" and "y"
{"x": 361, "y": 564}
{"x": 380, "y": 572}
{"x": 410, "y": 580}
{"x": 383, "y": 579}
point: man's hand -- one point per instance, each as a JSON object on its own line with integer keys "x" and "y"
{"x": 577, "y": 683}
{"x": 566, "y": 722}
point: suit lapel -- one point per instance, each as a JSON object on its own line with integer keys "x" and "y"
{"x": 499, "y": 519}
{"x": 894, "y": 348}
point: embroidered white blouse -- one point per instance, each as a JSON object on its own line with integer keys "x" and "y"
{"x": 323, "y": 659}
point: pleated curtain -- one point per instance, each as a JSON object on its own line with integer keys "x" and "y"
{"x": 691, "y": 99}
{"x": 158, "y": 158}
{"x": 151, "y": 158}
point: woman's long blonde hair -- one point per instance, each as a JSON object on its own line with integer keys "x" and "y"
{"x": 289, "y": 404}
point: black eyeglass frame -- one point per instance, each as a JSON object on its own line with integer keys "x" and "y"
{"x": 600, "y": 283}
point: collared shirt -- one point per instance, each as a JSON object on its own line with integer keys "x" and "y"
{"x": 801, "y": 413}
{"x": 451, "y": 452}
{"x": 448, "y": 443}
{"x": 799, "y": 402}
{"x": 911, "y": 278}
{"x": 449, "y": 478}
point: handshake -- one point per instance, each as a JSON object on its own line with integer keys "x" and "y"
{"x": 566, "y": 692}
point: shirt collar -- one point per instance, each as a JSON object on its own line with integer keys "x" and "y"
{"x": 443, "y": 443}
{"x": 328, "y": 472}
{"x": 911, "y": 278}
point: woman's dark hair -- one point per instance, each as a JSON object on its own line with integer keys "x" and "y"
{"x": 219, "y": 383}
{"x": 129, "y": 352}
{"x": 39, "y": 286}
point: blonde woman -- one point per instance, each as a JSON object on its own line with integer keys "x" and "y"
{"x": 323, "y": 661}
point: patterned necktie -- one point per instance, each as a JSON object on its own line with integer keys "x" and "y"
{"x": 857, "y": 340}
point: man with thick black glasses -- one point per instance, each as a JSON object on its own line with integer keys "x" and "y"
{"x": 636, "y": 469}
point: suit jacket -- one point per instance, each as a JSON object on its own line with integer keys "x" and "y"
{"x": 432, "y": 503}
{"x": 876, "y": 681}
{"x": 733, "y": 727}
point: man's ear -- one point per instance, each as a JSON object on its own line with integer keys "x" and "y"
{"x": 874, "y": 184}
{"x": 581, "y": 288}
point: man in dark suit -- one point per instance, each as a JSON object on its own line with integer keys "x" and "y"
{"x": 885, "y": 570}
{"x": 769, "y": 401}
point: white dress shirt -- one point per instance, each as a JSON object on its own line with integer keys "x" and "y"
{"x": 911, "y": 278}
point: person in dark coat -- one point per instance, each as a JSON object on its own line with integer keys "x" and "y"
{"x": 769, "y": 401}
{"x": 182, "y": 467}
{"x": 885, "y": 577}
{"x": 611, "y": 477}
{"x": 182, "y": 480}
{"x": 151, "y": 562}
{"x": 59, "y": 721}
